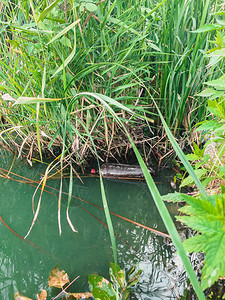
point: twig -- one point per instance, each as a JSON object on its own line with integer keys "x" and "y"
{"x": 66, "y": 288}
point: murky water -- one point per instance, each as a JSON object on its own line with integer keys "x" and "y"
{"x": 25, "y": 268}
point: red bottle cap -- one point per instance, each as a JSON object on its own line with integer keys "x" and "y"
{"x": 93, "y": 171}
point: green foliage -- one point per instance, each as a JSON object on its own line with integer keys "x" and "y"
{"x": 101, "y": 288}
{"x": 52, "y": 52}
{"x": 181, "y": 67}
{"x": 207, "y": 216}
{"x": 208, "y": 161}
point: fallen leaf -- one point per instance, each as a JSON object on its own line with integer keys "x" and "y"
{"x": 57, "y": 278}
{"x": 42, "y": 295}
{"x": 18, "y": 296}
{"x": 79, "y": 296}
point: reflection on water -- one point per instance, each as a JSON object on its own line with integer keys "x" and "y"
{"x": 26, "y": 268}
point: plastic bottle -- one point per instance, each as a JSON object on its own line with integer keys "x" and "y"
{"x": 121, "y": 170}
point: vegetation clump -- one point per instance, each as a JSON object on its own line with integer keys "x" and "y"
{"x": 56, "y": 54}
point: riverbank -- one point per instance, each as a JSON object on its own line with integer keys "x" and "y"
{"x": 70, "y": 76}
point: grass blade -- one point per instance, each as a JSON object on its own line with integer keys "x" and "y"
{"x": 47, "y": 10}
{"x": 169, "y": 224}
{"x": 69, "y": 199}
{"x": 64, "y": 31}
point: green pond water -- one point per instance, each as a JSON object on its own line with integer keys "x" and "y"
{"x": 25, "y": 268}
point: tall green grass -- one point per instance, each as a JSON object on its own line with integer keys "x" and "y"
{"x": 49, "y": 52}
{"x": 180, "y": 67}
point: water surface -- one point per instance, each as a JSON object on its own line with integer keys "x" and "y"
{"x": 25, "y": 268}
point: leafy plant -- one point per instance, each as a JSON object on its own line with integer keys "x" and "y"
{"x": 207, "y": 216}
{"x": 103, "y": 289}
{"x": 209, "y": 161}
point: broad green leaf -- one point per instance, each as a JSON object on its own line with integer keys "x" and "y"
{"x": 173, "y": 197}
{"x": 66, "y": 42}
{"x": 203, "y": 225}
{"x": 217, "y": 53}
{"x": 214, "y": 59}
{"x": 218, "y": 84}
{"x": 208, "y": 27}
{"x": 196, "y": 243}
{"x": 91, "y": 6}
{"x": 207, "y": 125}
{"x": 117, "y": 275}
{"x": 101, "y": 288}
{"x": 201, "y": 205}
{"x": 214, "y": 266}
{"x": 189, "y": 180}
{"x": 216, "y": 108}
{"x": 219, "y": 13}
{"x": 192, "y": 157}
{"x": 211, "y": 93}
{"x": 214, "y": 248}
{"x": 220, "y": 130}
{"x": 206, "y": 181}
{"x": 208, "y": 217}
{"x": 207, "y": 92}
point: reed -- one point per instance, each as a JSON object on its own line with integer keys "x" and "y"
{"x": 180, "y": 66}
{"x": 54, "y": 52}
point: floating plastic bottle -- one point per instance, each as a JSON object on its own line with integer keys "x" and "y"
{"x": 121, "y": 170}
